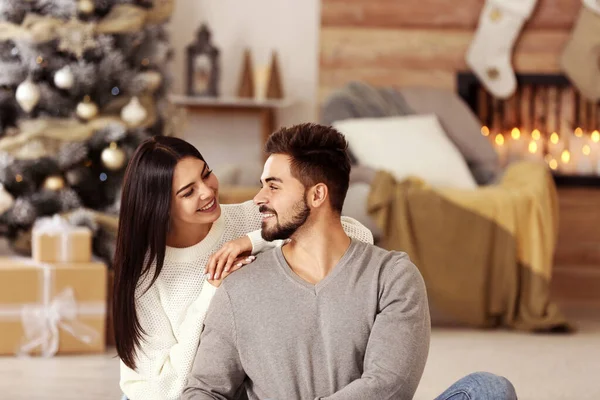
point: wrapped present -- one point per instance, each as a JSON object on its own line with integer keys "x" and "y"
{"x": 55, "y": 240}
{"x": 110, "y": 323}
{"x": 50, "y": 309}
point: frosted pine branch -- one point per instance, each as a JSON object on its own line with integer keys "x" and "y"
{"x": 57, "y": 8}
{"x": 12, "y": 74}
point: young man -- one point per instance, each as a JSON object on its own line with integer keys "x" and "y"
{"x": 323, "y": 317}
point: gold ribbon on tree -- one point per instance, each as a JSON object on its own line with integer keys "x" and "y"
{"x": 122, "y": 18}
{"x": 51, "y": 133}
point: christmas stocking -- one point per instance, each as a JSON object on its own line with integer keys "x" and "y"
{"x": 580, "y": 59}
{"x": 489, "y": 55}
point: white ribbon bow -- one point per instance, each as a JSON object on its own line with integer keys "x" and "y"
{"x": 41, "y": 323}
{"x": 52, "y": 225}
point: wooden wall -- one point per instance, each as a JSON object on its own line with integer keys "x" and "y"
{"x": 424, "y": 42}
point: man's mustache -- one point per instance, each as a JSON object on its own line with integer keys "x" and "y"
{"x": 264, "y": 209}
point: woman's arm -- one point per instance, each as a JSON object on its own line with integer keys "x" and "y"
{"x": 165, "y": 356}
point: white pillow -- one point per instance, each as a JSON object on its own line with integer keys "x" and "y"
{"x": 413, "y": 145}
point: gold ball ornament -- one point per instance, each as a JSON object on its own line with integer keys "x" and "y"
{"x": 87, "y": 109}
{"x": 28, "y": 95}
{"x": 86, "y": 6}
{"x": 151, "y": 80}
{"x": 113, "y": 158}
{"x": 134, "y": 113}
{"x": 54, "y": 183}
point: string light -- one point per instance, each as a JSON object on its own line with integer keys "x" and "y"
{"x": 586, "y": 149}
{"x": 565, "y": 156}
{"x": 578, "y": 132}
{"x": 485, "y": 131}
{"x": 595, "y": 136}
{"x": 516, "y": 133}
{"x": 553, "y": 164}
{"x": 533, "y": 147}
{"x": 535, "y": 135}
{"x": 499, "y": 139}
{"x": 554, "y": 138}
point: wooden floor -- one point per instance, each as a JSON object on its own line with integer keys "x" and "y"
{"x": 552, "y": 367}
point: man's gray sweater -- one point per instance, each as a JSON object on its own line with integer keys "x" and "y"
{"x": 361, "y": 333}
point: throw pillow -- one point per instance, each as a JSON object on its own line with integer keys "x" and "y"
{"x": 414, "y": 145}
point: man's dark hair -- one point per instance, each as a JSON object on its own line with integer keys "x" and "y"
{"x": 319, "y": 154}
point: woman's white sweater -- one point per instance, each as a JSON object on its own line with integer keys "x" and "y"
{"x": 171, "y": 312}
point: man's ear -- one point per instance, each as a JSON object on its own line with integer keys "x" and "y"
{"x": 317, "y": 195}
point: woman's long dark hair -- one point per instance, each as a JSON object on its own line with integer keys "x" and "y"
{"x": 142, "y": 236}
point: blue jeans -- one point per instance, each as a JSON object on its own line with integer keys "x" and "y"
{"x": 480, "y": 386}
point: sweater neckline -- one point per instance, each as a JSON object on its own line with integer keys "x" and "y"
{"x": 315, "y": 289}
{"x": 199, "y": 249}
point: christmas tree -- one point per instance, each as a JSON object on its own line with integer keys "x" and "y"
{"x": 82, "y": 83}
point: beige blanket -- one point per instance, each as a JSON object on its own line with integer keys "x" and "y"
{"x": 486, "y": 255}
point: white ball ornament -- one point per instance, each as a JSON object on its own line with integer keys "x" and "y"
{"x": 28, "y": 95}
{"x": 6, "y": 200}
{"x": 134, "y": 113}
{"x": 63, "y": 78}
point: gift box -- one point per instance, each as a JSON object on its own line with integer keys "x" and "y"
{"x": 110, "y": 325}
{"x": 55, "y": 240}
{"x": 48, "y": 309}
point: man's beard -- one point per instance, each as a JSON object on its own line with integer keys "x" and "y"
{"x": 285, "y": 231}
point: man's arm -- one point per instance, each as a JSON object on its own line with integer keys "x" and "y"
{"x": 399, "y": 341}
{"x": 217, "y": 372}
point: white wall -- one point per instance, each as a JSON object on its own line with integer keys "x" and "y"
{"x": 290, "y": 27}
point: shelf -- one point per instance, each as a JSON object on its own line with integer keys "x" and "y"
{"x": 577, "y": 180}
{"x": 228, "y": 102}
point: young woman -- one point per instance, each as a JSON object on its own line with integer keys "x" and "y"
{"x": 172, "y": 230}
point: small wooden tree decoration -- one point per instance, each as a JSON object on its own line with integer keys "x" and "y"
{"x": 246, "y": 87}
{"x": 274, "y": 86}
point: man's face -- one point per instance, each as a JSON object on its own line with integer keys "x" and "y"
{"x": 282, "y": 199}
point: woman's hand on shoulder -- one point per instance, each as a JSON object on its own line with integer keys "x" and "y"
{"x": 237, "y": 264}
{"x": 228, "y": 257}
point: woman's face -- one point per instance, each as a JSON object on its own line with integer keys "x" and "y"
{"x": 194, "y": 193}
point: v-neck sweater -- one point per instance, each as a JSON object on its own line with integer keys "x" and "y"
{"x": 360, "y": 333}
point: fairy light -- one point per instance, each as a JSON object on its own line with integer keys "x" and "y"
{"x": 485, "y": 131}
{"x": 515, "y": 133}
{"x": 499, "y": 139}
{"x": 578, "y": 132}
{"x": 535, "y": 135}
{"x": 554, "y": 138}
{"x": 553, "y": 164}
{"x": 565, "y": 156}
{"x": 595, "y": 136}
{"x": 533, "y": 147}
{"x": 586, "y": 149}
